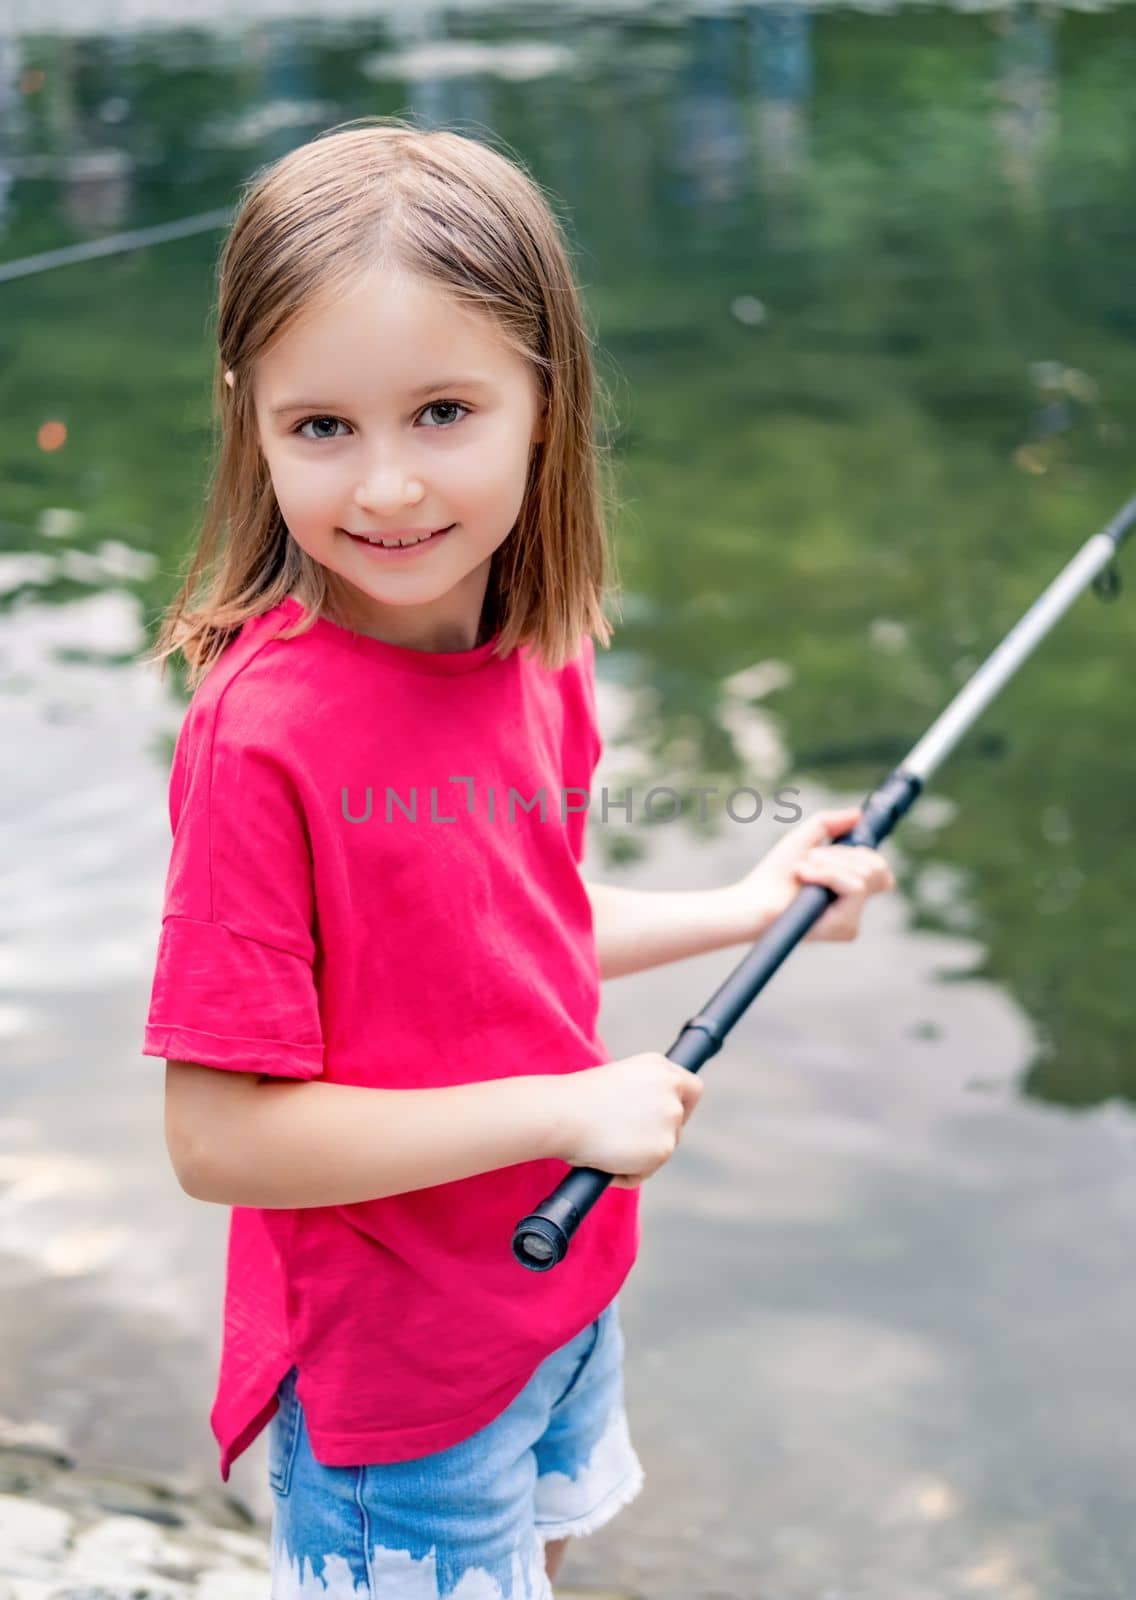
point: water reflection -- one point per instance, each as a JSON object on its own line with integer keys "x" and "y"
{"x": 782, "y": 79}
{"x": 865, "y": 311}
{"x": 1026, "y": 92}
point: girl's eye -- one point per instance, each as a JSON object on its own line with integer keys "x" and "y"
{"x": 435, "y": 405}
{"x": 300, "y": 426}
{"x": 447, "y": 405}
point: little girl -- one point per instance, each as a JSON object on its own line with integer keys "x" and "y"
{"x": 377, "y": 980}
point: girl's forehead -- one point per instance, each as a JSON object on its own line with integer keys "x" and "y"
{"x": 412, "y": 327}
{"x": 388, "y": 302}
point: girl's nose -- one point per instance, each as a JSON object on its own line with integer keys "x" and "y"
{"x": 385, "y": 489}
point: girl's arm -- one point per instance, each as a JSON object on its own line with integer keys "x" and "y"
{"x": 241, "y": 1140}
{"x": 640, "y": 928}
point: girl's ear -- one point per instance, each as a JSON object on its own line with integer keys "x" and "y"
{"x": 229, "y": 379}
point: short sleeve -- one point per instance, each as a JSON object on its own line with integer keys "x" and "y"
{"x": 234, "y": 982}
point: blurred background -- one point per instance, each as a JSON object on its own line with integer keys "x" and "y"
{"x": 861, "y": 278}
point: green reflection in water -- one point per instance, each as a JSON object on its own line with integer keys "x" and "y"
{"x": 863, "y": 288}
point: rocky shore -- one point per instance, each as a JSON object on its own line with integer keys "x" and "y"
{"x": 81, "y": 1533}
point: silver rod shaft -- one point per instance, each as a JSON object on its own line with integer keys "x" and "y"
{"x": 977, "y": 693}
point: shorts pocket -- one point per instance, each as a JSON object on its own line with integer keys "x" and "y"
{"x": 597, "y": 1329}
{"x": 283, "y": 1436}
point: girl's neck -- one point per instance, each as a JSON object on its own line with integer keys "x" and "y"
{"x": 486, "y": 627}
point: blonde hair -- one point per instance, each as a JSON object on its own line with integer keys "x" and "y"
{"x": 378, "y": 191}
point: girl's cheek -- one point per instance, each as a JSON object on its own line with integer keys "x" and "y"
{"x": 304, "y": 492}
{"x": 477, "y": 479}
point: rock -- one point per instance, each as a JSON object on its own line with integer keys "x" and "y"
{"x": 31, "y": 1535}
{"x": 125, "y": 1495}
{"x": 68, "y": 1533}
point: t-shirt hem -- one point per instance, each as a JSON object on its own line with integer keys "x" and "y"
{"x": 366, "y": 1447}
{"x": 175, "y": 1043}
{"x": 234, "y": 1444}
{"x": 382, "y": 1447}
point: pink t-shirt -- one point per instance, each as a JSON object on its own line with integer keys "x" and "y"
{"x": 400, "y": 940}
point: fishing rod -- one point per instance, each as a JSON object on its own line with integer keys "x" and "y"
{"x": 541, "y": 1239}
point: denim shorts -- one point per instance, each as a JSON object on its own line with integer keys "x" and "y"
{"x": 469, "y": 1521}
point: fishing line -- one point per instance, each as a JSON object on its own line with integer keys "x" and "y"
{"x": 112, "y": 244}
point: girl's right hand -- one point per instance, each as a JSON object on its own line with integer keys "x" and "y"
{"x": 626, "y": 1117}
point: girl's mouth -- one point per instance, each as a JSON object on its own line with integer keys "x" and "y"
{"x": 389, "y": 552}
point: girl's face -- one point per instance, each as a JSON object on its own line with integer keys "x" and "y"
{"x": 394, "y": 412}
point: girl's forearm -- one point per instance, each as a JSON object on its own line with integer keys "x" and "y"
{"x": 307, "y": 1143}
{"x": 640, "y": 928}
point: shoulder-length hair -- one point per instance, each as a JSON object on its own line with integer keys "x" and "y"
{"x": 378, "y": 191}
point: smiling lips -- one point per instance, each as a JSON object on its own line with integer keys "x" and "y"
{"x": 402, "y": 539}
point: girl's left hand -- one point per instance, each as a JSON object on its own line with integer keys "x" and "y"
{"x": 806, "y": 856}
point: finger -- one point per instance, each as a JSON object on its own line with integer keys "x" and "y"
{"x": 826, "y": 824}
{"x": 861, "y": 856}
{"x": 876, "y": 873}
{"x": 869, "y": 870}
{"x": 842, "y": 820}
{"x": 876, "y": 866}
{"x": 882, "y": 877}
{"x": 842, "y": 883}
{"x": 871, "y": 875}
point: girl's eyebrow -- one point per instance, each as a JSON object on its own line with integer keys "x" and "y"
{"x": 415, "y": 394}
